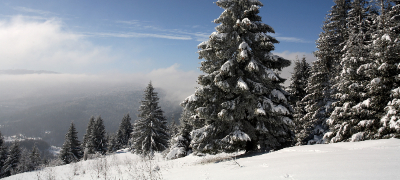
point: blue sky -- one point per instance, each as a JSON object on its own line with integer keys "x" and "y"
{"x": 132, "y": 36}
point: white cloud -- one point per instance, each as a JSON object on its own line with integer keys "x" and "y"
{"x": 156, "y": 32}
{"x": 287, "y": 72}
{"x": 292, "y": 39}
{"x": 30, "y": 43}
{"x": 142, "y": 35}
{"x": 30, "y": 10}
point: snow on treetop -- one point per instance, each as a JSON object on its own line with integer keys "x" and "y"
{"x": 224, "y": 2}
{"x": 357, "y": 137}
{"x": 252, "y": 65}
{"x": 376, "y": 81}
{"x": 225, "y": 67}
{"x": 204, "y": 43}
{"x": 218, "y": 35}
{"x": 288, "y": 121}
{"x": 236, "y": 135}
{"x": 191, "y": 98}
{"x": 246, "y": 21}
{"x": 260, "y": 110}
{"x": 271, "y": 75}
{"x": 242, "y": 85}
{"x": 244, "y": 46}
{"x": 386, "y": 37}
{"x": 281, "y": 109}
{"x": 278, "y": 94}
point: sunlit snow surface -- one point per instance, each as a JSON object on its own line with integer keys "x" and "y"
{"x": 374, "y": 159}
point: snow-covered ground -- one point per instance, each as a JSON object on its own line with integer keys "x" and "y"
{"x": 374, "y": 159}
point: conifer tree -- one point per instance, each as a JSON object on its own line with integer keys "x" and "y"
{"x": 97, "y": 142}
{"x": 391, "y": 120}
{"x": 179, "y": 143}
{"x": 3, "y": 154}
{"x": 124, "y": 132}
{"x": 112, "y": 140}
{"x": 350, "y": 116}
{"x": 240, "y": 100}
{"x": 10, "y": 166}
{"x": 298, "y": 84}
{"x": 150, "y": 132}
{"x": 319, "y": 89}
{"x": 86, "y": 137}
{"x": 299, "y": 81}
{"x": 384, "y": 87}
{"x": 35, "y": 159}
{"x": 24, "y": 162}
{"x": 71, "y": 150}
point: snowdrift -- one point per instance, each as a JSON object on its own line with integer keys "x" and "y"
{"x": 374, "y": 159}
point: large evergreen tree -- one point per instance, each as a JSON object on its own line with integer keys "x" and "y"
{"x": 384, "y": 87}
{"x": 35, "y": 159}
{"x": 124, "y": 132}
{"x": 319, "y": 90}
{"x": 150, "y": 130}
{"x": 86, "y": 137}
{"x": 179, "y": 143}
{"x": 350, "y": 115}
{"x": 3, "y": 154}
{"x": 71, "y": 150}
{"x": 297, "y": 90}
{"x": 10, "y": 166}
{"x": 97, "y": 142}
{"x": 240, "y": 100}
{"x": 299, "y": 81}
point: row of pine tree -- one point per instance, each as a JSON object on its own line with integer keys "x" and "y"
{"x": 352, "y": 90}
{"x": 350, "y": 93}
{"x": 14, "y": 159}
{"x": 149, "y": 134}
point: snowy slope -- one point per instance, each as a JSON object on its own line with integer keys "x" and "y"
{"x": 374, "y": 159}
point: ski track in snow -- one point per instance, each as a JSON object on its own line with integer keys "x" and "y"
{"x": 373, "y": 159}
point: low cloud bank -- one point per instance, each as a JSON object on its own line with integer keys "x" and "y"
{"x": 176, "y": 83}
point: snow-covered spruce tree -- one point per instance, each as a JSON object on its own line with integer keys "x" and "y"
{"x": 35, "y": 159}
{"x": 112, "y": 140}
{"x": 12, "y": 161}
{"x": 150, "y": 130}
{"x": 319, "y": 90}
{"x": 240, "y": 100}
{"x": 24, "y": 161}
{"x": 384, "y": 87}
{"x": 391, "y": 120}
{"x": 97, "y": 142}
{"x": 87, "y": 136}
{"x": 71, "y": 150}
{"x": 297, "y": 90}
{"x": 124, "y": 132}
{"x": 350, "y": 116}
{"x": 179, "y": 143}
{"x": 3, "y": 154}
{"x": 299, "y": 81}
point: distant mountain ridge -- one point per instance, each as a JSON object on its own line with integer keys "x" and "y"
{"x": 25, "y": 71}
